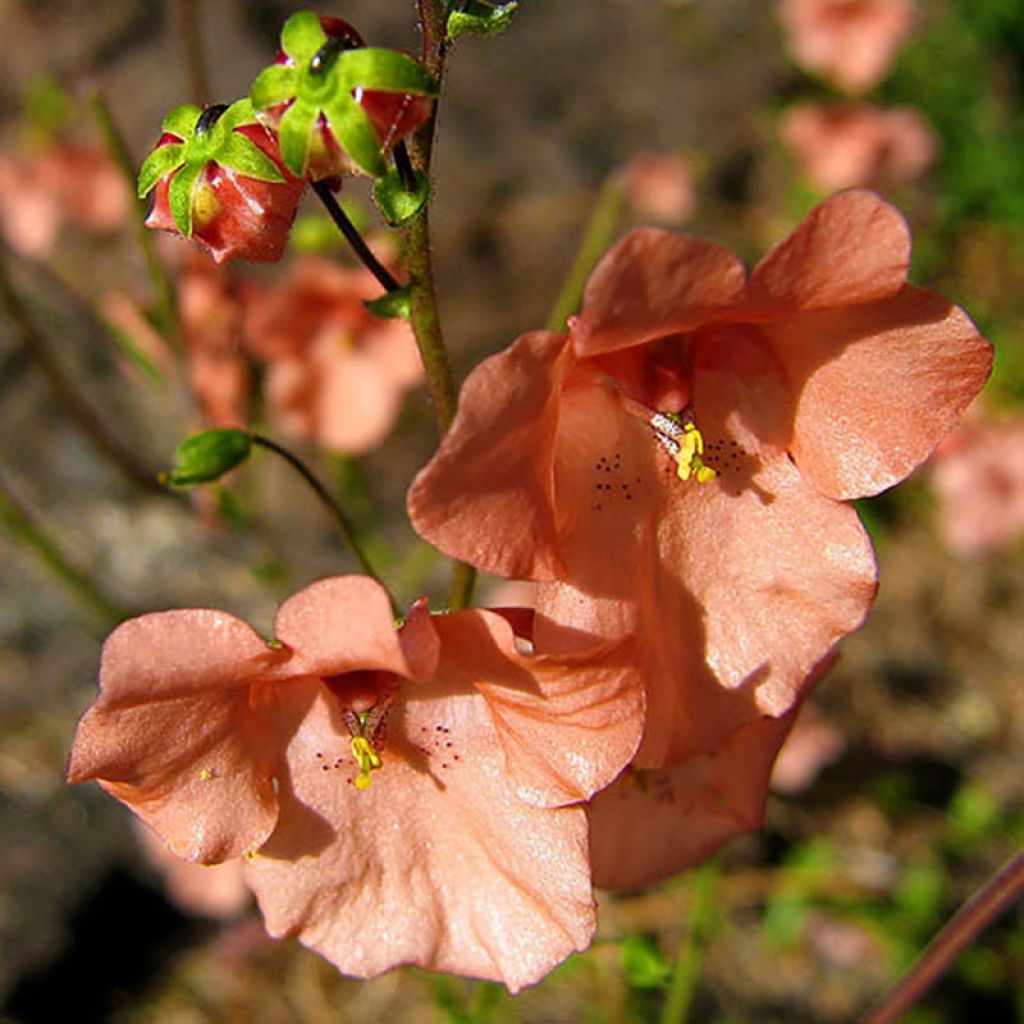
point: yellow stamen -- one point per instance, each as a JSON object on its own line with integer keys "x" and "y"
{"x": 688, "y": 459}
{"x": 367, "y": 758}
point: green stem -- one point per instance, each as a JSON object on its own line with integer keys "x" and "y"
{"x": 425, "y": 318}
{"x": 998, "y": 894}
{"x": 337, "y": 513}
{"x": 71, "y": 401}
{"x": 695, "y": 941}
{"x": 159, "y": 279}
{"x": 601, "y": 229}
{"x": 20, "y": 524}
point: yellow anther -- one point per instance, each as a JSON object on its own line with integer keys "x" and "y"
{"x": 204, "y": 774}
{"x": 367, "y": 758}
{"x": 688, "y": 459}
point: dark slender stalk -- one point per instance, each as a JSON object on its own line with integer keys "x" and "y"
{"x": 21, "y": 525}
{"x": 67, "y": 395}
{"x": 192, "y": 45}
{"x": 426, "y": 321}
{"x": 997, "y": 895}
{"x": 159, "y": 279}
{"x": 337, "y": 512}
{"x": 403, "y": 164}
{"x": 352, "y": 236}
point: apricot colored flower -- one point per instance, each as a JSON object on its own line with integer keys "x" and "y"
{"x": 849, "y": 42}
{"x": 336, "y": 374}
{"x": 854, "y": 145}
{"x": 401, "y": 794}
{"x": 677, "y": 467}
{"x": 69, "y": 183}
{"x": 978, "y": 478}
{"x": 659, "y": 186}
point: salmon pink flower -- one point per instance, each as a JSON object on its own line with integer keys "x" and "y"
{"x": 659, "y": 186}
{"x": 849, "y": 42}
{"x": 677, "y": 467}
{"x": 402, "y": 795}
{"x": 853, "y": 145}
{"x": 220, "y": 181}
{"x": 978, "y": 478}
{"x": 335, "y": 373}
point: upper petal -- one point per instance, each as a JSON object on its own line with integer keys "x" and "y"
{"x": 651, "y": 825}
{"x": 486, "y": 496}
{"x": 653, "y": 283}
{"x": 438, "y": 863}
{"x": 341, "y": 624}
{"x": 876, "y": 387}
{"x": 567, "y": 725}
{"x": 852, "y": 248}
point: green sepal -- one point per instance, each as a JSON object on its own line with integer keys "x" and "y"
{"x": 206, "y": 457}
{"x": 181, "y": 121}
{"x": 302, "y": 36}
{"x": 163, "y": 160}
{"x": 179, "y": 196}
{"x": 396, "y": 205}
{"x": 396, "y": 305}
{"x": 273, "y": 85}
{"x": 294, "y": 136}
{"x": 481, "y": 19}
{"x": 243, "y": 155}
{"x": 380, "y": 70}
{"x": 354, "y": 131}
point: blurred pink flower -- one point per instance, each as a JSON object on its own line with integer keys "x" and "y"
{"x": 813, "y": 743}
{"x": 849, "y": 145}
{"x": 206, "y": 890}
{"x": 978, "y": 478}
{"x": 677, "y": 467}
{"x": 211, "y": 311}
{"x": 70, "y": 183}
{"x": 849, "y": 42}
{"x": 449, "y": 843}
{"x": 336, "y": 374}
{"x": 659, "y": 186}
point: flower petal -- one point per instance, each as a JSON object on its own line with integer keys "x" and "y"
{"x": 437, "y": 863}
{"x": 651, "y": 284}
{"x": 877, "y": 387}
{"x": 852, "y": 248}
{"x": 567, "y": 725}
{"x": 341, "y": 624}
{"x": 487, "y": 493}
{"x": 651, "y": 825}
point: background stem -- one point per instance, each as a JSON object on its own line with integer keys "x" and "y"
{"x": 192, "y": 46}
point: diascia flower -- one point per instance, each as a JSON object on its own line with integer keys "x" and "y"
{"x": 335, "y": 373}
{"x": 400, "y": 794}
{"x": 677, "y": 466}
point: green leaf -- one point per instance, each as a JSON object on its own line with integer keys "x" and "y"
{"x": 302, "y": 36}
{"x": 243, "y": 155}
{"x": 645, "y": 966}
{"x": 179, "y": 196}
{"x": 355, "y": 133}
{"x": 396, "y": 205}
{"x": 206, "y": 457}
{"x": 160, "y": 162}
{"x": 181, "y": 121}
{"x": 273, "y": 85}
{"x": 384, "y": 71}
{"x": 293, "y": 136}
{"x": 396, "y": 305}
{"x": 481, "y": 19}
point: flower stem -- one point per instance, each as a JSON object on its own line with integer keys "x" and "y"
{"x": 352, "y": 236}
{"x": 425, "y": 318}
{"x": 403, "y": 164}
{"x": 601, "y": 228}
{"x": 995, "y": 896}
{"x": 21, "y": 525}
{"x": 691, "y": 952}
{"x": 159, "y": 279}
{"x": 337, "y": 512}
{"x": 72, "y": 402}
